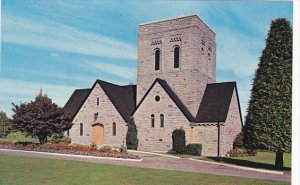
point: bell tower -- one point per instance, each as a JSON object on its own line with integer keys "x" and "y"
{"x": 181, "y": 51}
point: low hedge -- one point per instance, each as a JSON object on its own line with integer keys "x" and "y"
{"x": 194, "y": 149}
{"x": 64, "y": 148}
{"x": 241, "y": 152}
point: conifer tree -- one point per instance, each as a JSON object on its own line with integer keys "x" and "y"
{"x": 131, "y": 136}
{"x": 268, "y": 122}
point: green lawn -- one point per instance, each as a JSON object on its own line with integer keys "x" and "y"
{"x": 176, "y": 155}
{"x": 18, "y": 136}
{"x": 264, "y": 160}
{"x": 27, "y": 170}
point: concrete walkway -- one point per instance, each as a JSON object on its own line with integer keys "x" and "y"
{"x": 168, "y": 163}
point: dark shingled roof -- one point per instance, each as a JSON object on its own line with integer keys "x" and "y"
{"x": 122, "y": 97}
{"x": 214, "y": 106}
{"x": 215, "y": 103}
{"x": 76, "y": 100}
{"x": 172, "y": 95}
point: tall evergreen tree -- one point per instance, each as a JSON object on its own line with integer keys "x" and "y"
{"x": 268, "y": 122}
{"x": 40, "y": 118}
{"x": 131, "y": 136}
{"x": 4, "y": 124}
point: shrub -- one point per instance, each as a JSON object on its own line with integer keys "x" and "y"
{"x": 194, "y": 149}
{"x": 239, "y": 141}
{"x": 178, "y": 137}
{"x": 60, "y": 138}
{"x": 123, "y": 149}
{"x": 105, "y": 148}
{"x": 93, "y": 145}
{"x": 131, "y": 136}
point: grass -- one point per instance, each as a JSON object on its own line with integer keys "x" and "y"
{"x": 18, "y": 136}
{"x": 265, "y": 160}
{"x": 27, "y": 170}
{"x": 177, "y": 155}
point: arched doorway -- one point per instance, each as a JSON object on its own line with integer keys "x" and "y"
{"x": 98, "y": 134}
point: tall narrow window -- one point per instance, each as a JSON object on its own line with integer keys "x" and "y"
{"x": 157, "y": 59}
{"x": 95, "y": 116}
{"x": 81, "y": 129}
{"x": 162, "y": 121}
{"x": 176, "y": 57}
{"x": 97, "y": 101}
{"x": 114, "y": 129}
{"x": 152, "y": 120}
{"x": 68, "y": 132}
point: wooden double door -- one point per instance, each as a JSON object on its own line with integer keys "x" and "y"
{"x": 98, "y": 134}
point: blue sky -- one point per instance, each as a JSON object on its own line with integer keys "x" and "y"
{"x": 60, "y": 46}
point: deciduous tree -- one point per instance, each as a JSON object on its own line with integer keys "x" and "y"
{"x": 4, "y": 125}
{"x": 40, "y": 118}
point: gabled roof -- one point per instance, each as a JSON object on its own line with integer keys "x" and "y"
{"x": 122, "y": 97}
{"x": 215, "y": 103}
{"x": 214, "y": 106}
{"x": 172, "y": 95}
{"x": 76, "y": 100}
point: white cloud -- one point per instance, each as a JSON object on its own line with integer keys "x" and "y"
{"x": 237, "y": 52}
{"x": 128, "y": 73}
{"x": 61, "y": 37}
{"x": 23, "y": 91}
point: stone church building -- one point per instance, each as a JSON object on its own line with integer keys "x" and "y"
{"x": 176, "y": 88}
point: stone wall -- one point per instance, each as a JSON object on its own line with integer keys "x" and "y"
{"x": 196, "y": 42}
{"x": 108, "y": 114}
{"x": 207, "y": 135}
{"x": 157, "y": 138}
{"x": 232, "y": 126}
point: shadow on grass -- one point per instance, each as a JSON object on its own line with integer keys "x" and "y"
{"x": 246, "y": 163}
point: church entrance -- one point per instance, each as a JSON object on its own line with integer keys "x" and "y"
{"x": 98, "y": 134}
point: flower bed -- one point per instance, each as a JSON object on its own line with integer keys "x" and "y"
{"x": 64, "y": 148}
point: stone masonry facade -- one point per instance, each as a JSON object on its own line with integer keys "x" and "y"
{"x": 167, "y": 98}
{"x": 197, "y": 58}
{"x": 107, "y": 117}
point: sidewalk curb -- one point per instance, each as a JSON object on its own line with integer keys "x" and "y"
{"x": 71, "y": 155}
{"x": 164, "y": 155}
{"x": 239, "y": 167}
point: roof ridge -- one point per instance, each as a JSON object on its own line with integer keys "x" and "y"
{"x": 222, "y": 82}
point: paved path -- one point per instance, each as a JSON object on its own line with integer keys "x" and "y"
{"x": 161, "y": 162}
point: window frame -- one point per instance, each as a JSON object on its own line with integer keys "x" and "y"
{"x": 162, "y": 121}
{"x": 81, "y": 129}
{"x": 157, "y": 59}
{"x": 114, "y": 129}
{"x": 176, "y": 50}
{"x": 96, "y": 115}
{"x": 152, "y": 121}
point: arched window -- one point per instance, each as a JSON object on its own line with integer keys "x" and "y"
{"x": 152, "y": 120}
{"x": 157, "y": 59}
{"x": 81, "y": 129}
{"x": 114, "y": 129}
{"x": 162, "y": 121}
{"x": 176, "y": 56}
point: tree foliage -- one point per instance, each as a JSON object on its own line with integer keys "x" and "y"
{"x": 268, "y": 122}
{"x": 40, "y": 118}
{"x": 131, "y": 136}
{"x": 5, "y": 128}
{"x": 179, "y": 143}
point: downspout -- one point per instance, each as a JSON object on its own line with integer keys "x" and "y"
{"x": 218, "y": 140}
